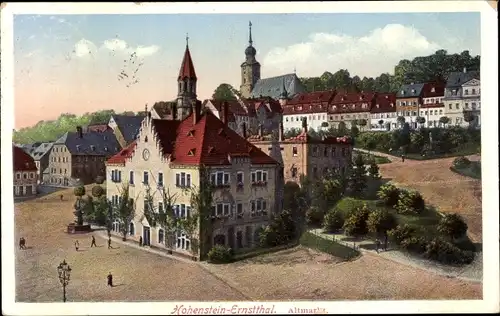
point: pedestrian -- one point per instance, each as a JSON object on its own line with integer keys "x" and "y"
{"x": 110, "y": 279}
{"x": 22, "y": 243}
{"x": 62, "y": 197}
{"x": 385, "y": 242}
{"x": 109, "y": 243}
{"x": 377, "y": 242}
{"x": 93, "y": 244}
{"x": 77, "y": 245}
{"x": 403, "y": 158}
{"x": 140, "y": 241}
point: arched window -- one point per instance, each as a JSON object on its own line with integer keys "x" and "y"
{"x": 116, "y": 226}
{"x": 182, "y": 241}
{"x": 220, "y": 240}
{"x": 161, "y": 235}
{"x": 131, "y": 229}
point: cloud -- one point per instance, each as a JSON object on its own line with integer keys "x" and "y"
{"x": 84, "y": 48}
{"x": 370, "y": 55}
{"x": 32, "y": 53}
{"x": 119, "y": 45}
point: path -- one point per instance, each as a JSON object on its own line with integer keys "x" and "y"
{"x": 472, "y": 272}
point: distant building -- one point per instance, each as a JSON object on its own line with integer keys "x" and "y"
{"x": 350, "y": 107}
{"x": 41, "y": 155}
{"x": 408, "y": 102}
{"x": 125, "y": 128}
{"x": 383, "y": 114}
{"x": 252, "y": 86}
{"x": 432, "y": 108}
{"x": 462, "y": 94}
{"x": 79, "y": 156}
{"x": 313, "y": 106}
{"x": 25, "y": 173}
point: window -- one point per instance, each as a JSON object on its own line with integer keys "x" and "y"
{"x": 294, "y": 172}
{"x": 160, "y": 179}
{"x": 315, "y": 172}
{"x": 259, "y": 177}
{"x": 25, "y": 175}
{"x": 473, "y": 91}
{"x": 325, "y": 152}
{"x": 333, "y": 151}
{"x": 440, "y": 111}
{"x": 182, "y": 210}
{"x": 18, "y": 176}
{"x": 466, "y": 91}
{"x": 131, "y": 177}
{"x": 161, "y": 236}
{"x": 294, "y": 151}
{"x": 315, "y": 151}
{"x": 450, "y": 106}
{"x": 182, "y": 241}
{"x": 258, "y": 207}
{"x": 466, "y": 105}
{"x": 239, "y": 210}
{"x": 146, "y": 178}
{"x": 226, "y": 209}
{"x": 343, "y": 152}
{"x": 220, "y": 178}
{"x": 457, "y": 106}
{"x": 239, "y": 178}
{"x": 183, "y": 180}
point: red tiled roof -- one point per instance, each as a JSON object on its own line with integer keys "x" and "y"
{"x": 22, "y": 161}
{"x": 234, "y": 106}
{"x": 121, "y": 157}
{"x": 187, "y": 67}
{"x": 384, "y": 102}
{"x": 304, "y": 108}
{"x": 352, "y": 102}
{"x": 270, "y": 105}
{"x": 432, "y": 105}
{"x": 98, "y": 127}
{"x": 208, "y": 142}
{"x": 312, "y": 97}
{"x": 438, "y": 89}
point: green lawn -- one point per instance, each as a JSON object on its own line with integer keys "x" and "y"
{"x": 331, "y": 247}
{"x": 379, "y": 160}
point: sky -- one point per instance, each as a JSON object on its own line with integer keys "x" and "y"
{"x": 71, "y": 63}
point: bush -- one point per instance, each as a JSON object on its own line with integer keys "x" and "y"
{"x": 445, "y": 252}
{"x": 389, "y": 193}
{"x": 415, "y": 244}
{"x": 410, "y": 202}
{"x": 402, "y": 232}
{"x": 333, "y": 221}
{"x": 381, "y": 221}
{"x": 461, "y": 162}
{"x": 79, "y": 191}
{"x": 220, "y": 254}
{"x": 314, "y": 216}
{"x": 98, "y": 191}
{"x": 280, "y": 231}
{"x": 99, "y": 179}
{"x": 452, "y": 226}
{"x": 347, "y": 206}
{"x": 355, "y": 224}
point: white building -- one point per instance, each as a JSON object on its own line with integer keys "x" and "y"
{"x": 383, "y": 114}
{"x": 313, "y": 106}
{"x": 432, "y": 113}
{"x": 457, "y": 100}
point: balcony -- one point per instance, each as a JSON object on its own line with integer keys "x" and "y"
{"x": 259, "y": 184}
{"x": 222, "y": 186}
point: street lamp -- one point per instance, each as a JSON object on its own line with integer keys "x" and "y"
{"x": 64, "y": 272}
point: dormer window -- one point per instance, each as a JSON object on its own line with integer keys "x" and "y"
{"x": 221, "y": 132}
{"x": 77, "y": 147}
{"x": 433, "y": 89}
{"x": 387, "y": 97}
{"x": 413, "y": 91}
{"x": 402, "y": 92}
{"x": 343, "y": 98}
{"x": 192, "y": 152}
{"x": 211, "y": 150}
{"x": 378, "y": 106}
{"x": 92, "y": 147}
{"x": 360, "y": 97}
{"x": 191, "y": 133}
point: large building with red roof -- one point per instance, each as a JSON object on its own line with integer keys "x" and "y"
{"x": 169, "y": 153}
{"x": 383, "y": 113}
{"x": 25, "y": 173}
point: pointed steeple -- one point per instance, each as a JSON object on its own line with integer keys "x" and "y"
{"x": 250, "y": 33}
{"x": 187, "y": 67}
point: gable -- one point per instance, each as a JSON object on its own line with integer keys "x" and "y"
{"x": 472, "y": 82}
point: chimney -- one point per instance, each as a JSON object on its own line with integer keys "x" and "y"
{"x": 79, "y": 131}
{"x": 196, "y": 111}
{"x": 465, "y": 70}
{"x": 224, "y": 112}
{"x": 280, "y": 132}
{"x": 304, "y": 125}
{"x": 174, "y": 111}
{"x": 244, "y": 130}
{"x": 149, "y": 115}
{"x": 261, "y": 130}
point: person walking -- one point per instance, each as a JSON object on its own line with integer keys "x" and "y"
{"x": 93, "y": 244}
{"x": 377, "y": 242}
{"x": 62, "y": 197}
{"x": 109, "y": 243}
{"x": 140, "y": 241}
{"x": 110, "y": 279}
{"x": 403, "y": 157}
{"x": 22, "y": 243}
{"x": 77, "y": 245}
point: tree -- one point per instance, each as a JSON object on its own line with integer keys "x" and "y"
{"x": 342, "y": 128}
{"x": 98, "y": 191}
{"x": 380, "y": 222}
{"x": 202, "y": 199}
{"x": 125, "y": 210}
{"x": 444, "y": 120}
{"x": 224, "y": 92}
{"x": 79, "y": 191}
{"x": 401, "y": 120}
{"x": 355, "y": 224}
{"x": 333, "y": 221}
{"x": 363, "y": 123}
{"x": 354, "y": 131}
{"x": 421, "y": 120}
{"x": 452, "y": 226}
{"x": 410, "y": 202}
{"x": 373, "y": 170}
{"x": 469, "y": 118}
{"x": 389, "y": 193}
{"x": 357, "y": 179}
{"x": 99, "y": 180}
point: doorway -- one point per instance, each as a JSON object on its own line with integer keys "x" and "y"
{"x": 146, "y": 236}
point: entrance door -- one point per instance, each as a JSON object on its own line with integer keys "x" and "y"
{"x": 146, "y": 236}
{"x": 239, "y": 239}
{"x": 230, "y": 236}
{"x": 29, "y": 190}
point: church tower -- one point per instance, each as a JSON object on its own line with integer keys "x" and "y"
{"x": 250, "y": 68}
{"x": 186, "y": 91}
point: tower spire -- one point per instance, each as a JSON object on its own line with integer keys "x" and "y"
{"x": 187, "y": 40}
{"x": 250, "y": 33}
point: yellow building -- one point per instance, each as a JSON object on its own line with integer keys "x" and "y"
{"x": 168, "y": 154}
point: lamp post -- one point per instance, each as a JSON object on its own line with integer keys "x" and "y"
{"x": 64, "y": 271}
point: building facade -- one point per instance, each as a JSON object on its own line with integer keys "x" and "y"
{"x": 383, "y": 113}
{"x": 41, "y": 155}
{"x": 351, "y": 107}
{"x": 408, "y": 102}
{"x": 169, "y": 154}
{"x": 25, "y": 173}
{"x": 80, "y": 157}
{"x": 313, "y": 106}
